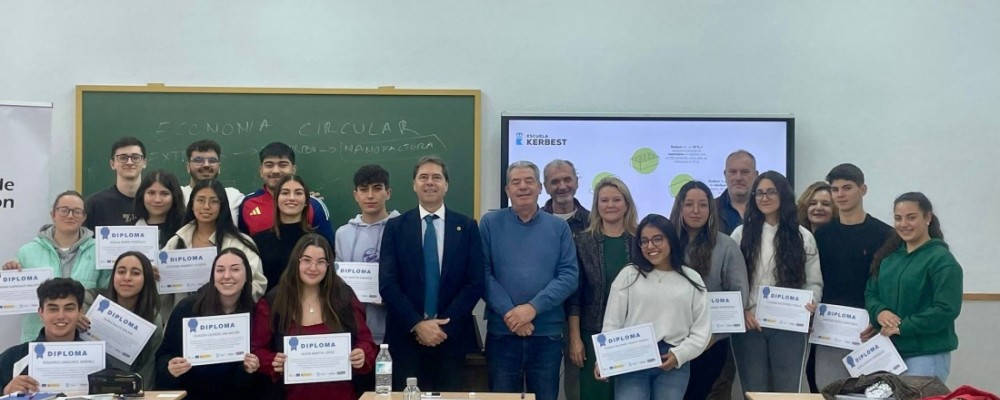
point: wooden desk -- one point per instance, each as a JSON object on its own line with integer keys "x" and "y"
{"x": 459, "y": 396}
{"x": 783, "y": 396}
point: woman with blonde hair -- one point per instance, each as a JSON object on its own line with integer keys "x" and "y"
{"x": 815, "y": 206}
{"x": 603, "y": 249}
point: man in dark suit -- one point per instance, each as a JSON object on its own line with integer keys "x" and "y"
{"x": 430, "y": 277}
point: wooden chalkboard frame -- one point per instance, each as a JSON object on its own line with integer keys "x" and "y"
{"x": 380, "y": 91}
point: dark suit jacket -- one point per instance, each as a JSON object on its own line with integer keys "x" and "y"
{"x": 401, "y": 280}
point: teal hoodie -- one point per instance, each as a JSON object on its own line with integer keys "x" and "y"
{"x": 80, "y": 258}
{"x": 923, "y": 288}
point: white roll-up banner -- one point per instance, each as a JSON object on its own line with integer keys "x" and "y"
{"x": 25, "y": 135}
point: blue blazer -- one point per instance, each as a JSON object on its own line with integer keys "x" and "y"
{"x": 401, "y": 280}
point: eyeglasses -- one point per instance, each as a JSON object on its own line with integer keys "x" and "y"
{"x": 201, "y": 201}
{"x": 306, "y": 262}
{"x": 135, "y": 157}
{"x": 769, "y": 193}
{"x": 203, "y": 160}
{"x": 657, "y": 241}
{"x": 66, "y": 211}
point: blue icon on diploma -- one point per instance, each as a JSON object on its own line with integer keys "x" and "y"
{"x": 601, "y": 339}
{"x": 39, "y": 350}
{"x": 105, "y": 232}
{"x": 767, "y": 291}
{"x": 193, "y": 324}
{"x": 103, "y": 305}
{"x": 294, "y": 342}
{"x": 822, "y": 309}
{"x": 163, "y": 257}
{"x": 850, "y": 361}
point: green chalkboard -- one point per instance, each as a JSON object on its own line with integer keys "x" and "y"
{"x": 333, "y": 132}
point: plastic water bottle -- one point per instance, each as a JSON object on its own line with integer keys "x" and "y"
{"x": 383, "y": 371}
{"x": 412, "y": 392}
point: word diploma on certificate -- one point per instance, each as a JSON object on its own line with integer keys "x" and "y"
{"x": 112, "y": 241}
{"x": 626, "y": 350}
{"x": 726, "y": 312}
{"x": 363, "y": 278}
{"x": 217, "y": 339}
{"x": 783, "y": 308}
{"x": 183, "y": 271}
{"x": 124, "y": 332}
{"x": 877, "y": 354}
{"x": 18, "y": 290}
{"x": 318, "y": 358}
{"x": 64, "y": 366}
{"x": 838, "y": 326}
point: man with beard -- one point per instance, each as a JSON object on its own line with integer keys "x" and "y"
{"x": 204, "y": 161}
{"x": 561, "y": 183}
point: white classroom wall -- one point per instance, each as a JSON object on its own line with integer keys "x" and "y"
{"x": 907, "y": 90}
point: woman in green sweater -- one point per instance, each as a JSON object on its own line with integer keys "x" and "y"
{"x": 915, "y": 291}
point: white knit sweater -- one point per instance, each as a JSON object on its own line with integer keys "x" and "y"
{"x": 677, "y": 309}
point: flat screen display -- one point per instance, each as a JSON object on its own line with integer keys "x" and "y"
{"x": 653, "y": 155}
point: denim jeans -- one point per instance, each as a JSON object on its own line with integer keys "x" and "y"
{"x": 938, "y": 365}
{"x": 653, "y": 383}
{"x": 524, "y": 364}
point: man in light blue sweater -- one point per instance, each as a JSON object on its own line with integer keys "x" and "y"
{"x": 530, "y": 271}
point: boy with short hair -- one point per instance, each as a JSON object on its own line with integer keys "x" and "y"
{"x": 360, "y": 240}
{"x": 115, "y": 205}
{"x": 59, "y": 305}
{"x": 846, "y": 247}
{"x": 204, "y": 162}
{"x": 257, "y": 210}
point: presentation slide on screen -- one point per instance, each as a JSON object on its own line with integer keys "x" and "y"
{"x": 653, "y": 157}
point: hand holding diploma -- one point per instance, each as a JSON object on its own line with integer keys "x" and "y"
{"x": 784, "y": 308}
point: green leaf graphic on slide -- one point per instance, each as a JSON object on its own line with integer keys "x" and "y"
{"x": 678, "y": 181}
{"x": 645, "y": 160}
{"x": 597, "y": 179}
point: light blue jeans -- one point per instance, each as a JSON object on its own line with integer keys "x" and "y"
{"x": 653, "y": 383}
{"x": 938, "y": 365}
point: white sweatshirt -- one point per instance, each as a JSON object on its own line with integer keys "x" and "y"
{"x": 764, "y": 273}
{"x": 676, "y": 308}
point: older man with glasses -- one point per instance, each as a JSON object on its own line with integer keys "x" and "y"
{"x": 204, "y": 161}
{"x": 116, "y": 205}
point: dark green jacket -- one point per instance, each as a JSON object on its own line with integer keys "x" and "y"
{"x": 924, "y": 288}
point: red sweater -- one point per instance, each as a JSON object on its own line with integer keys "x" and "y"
{"x": 261, "y": 340}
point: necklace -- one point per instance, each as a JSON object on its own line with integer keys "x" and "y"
{"x": 660, "y": 275}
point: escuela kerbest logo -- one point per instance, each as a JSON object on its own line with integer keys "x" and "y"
{"x": 530, "y": 139}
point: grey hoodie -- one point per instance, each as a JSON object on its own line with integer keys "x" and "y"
{"x": 67, "y": 258}
{"x": 358, "y": 241}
